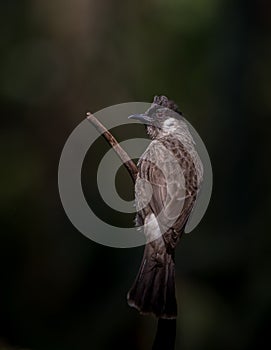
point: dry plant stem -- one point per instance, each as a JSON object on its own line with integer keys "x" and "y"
{"x": 126, "y": 160}
{"x": 166, "y": 330}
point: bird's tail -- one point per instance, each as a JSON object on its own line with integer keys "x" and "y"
{"x": 153, "y": 291}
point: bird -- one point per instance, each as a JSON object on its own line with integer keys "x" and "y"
{"x": 170, "y": 174}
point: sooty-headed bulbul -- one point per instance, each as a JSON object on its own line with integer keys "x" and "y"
{"x": 170, "y": 173}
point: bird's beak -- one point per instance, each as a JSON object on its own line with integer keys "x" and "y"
{"x": 143, "y": 118}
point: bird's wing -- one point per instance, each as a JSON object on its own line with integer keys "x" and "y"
{"x": 161, "y": 186}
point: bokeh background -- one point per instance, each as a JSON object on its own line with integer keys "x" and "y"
{"x": 59, "y": 290}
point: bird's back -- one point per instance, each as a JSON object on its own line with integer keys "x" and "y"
{"x": 167, "y": 185}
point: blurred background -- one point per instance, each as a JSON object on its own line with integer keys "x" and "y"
{"x": 58, "y": 289}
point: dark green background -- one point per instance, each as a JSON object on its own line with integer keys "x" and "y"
{"x": 59, "y": 290}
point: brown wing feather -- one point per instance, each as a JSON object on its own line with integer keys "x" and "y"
{"x": 156, "y": 168}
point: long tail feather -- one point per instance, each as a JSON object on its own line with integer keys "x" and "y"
{"x": 154, "y": 288}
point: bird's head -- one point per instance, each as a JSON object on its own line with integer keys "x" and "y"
{"x": 162, "y": 117}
